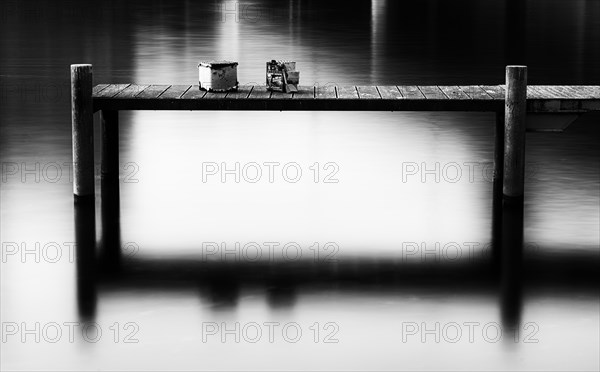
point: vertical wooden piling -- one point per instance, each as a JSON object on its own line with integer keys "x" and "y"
{"x": 514, "y": 132}
{"x": 82, "y": 131}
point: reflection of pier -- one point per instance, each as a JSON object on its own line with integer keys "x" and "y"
{"x": 515, "y": 104}
{"x": 219, "y": 284}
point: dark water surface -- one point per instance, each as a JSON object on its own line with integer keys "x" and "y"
{"x": 392, "y": 261}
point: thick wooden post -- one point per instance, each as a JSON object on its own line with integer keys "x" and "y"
{"x": 82, "y": 121}
{"x": 514, "y": 132}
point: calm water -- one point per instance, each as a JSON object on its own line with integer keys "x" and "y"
{"x": 365, "y": 258}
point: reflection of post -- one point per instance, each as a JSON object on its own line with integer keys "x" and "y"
{"x": 82, "y": 121}
{"x": 513, "y": 186}
{"x": 110, "y": 199}
{"x": 224, "y": 286}
{"x": 511, "y": 267}
{"x": 111, "y": 225}
{"x": 85, "y": 238}
{"x": 377, "y": 16}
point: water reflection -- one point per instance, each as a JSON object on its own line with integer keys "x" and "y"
{"x": 85, "y": 237}
{"x": 220, "y": 282}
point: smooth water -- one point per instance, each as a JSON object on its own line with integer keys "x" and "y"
{"x": 387, "y": 228}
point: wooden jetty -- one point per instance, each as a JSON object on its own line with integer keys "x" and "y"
{"x": 540, "y": 99}
{"x": 516, "y": 105}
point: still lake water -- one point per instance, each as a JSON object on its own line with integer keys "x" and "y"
{"x": 378, "y": 277}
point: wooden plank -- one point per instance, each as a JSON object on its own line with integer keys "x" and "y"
{"x": 153, "y": 91}
{"x": 304, "y": 92}
{"x": 259, "y": 92}
{"x": 565, "y": 92}
{"x": 98, "y": 88}
{"x": 594, "y": 90}
{"x": 368, "y": 92}
{"x": 131, "y": 91}
{"x": 111, "y": 91}
{"x": 194, "y": 93}
{"x": 281, "y": 95}
{"x": 534, "y": 92}
{"x": 588, "y": 91}
{"x": 175, "y": 91}
{"x": 242, "y": 92}
{"x": 347, "y": 92}
{"x": 560, "y": 91}
{"x": 325, "y": 91}
{"x": 432, "y": 92}
{"x": 389, "y": 92}
{"x": 547, "y": 92}
{"x": 453, "y": 92}
{"x": 571, "y": 92}
{"x": 495, "y": 91}
{"x": 410, "y": 92}
{"x": 475, "y": 92}
{"x": 215, "y": 95}
{"x": 555, "y": 91}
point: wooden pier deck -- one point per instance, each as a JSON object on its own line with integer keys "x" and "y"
{"x": 540, "y": 98}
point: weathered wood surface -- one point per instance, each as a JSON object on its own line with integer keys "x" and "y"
{"x": 368, "y": 93}
{"x": 432, "y": 92}
{"x": 389, "y": 92}
{"x": 325, "y": 92}
{"x": 515, "y": 120}
{"x": 109, "y": 91}
{"x": 175, "y": 91}
{"x": 540, "y": 98}
{"x": 454, "y": 92}
{"x": 347, "y": 92}
{"x": 82, "y": 120}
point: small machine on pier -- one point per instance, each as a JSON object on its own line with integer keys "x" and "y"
{"x": 282, "y": 76}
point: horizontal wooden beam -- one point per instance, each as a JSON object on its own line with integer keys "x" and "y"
{"x": 266, "y": 104}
